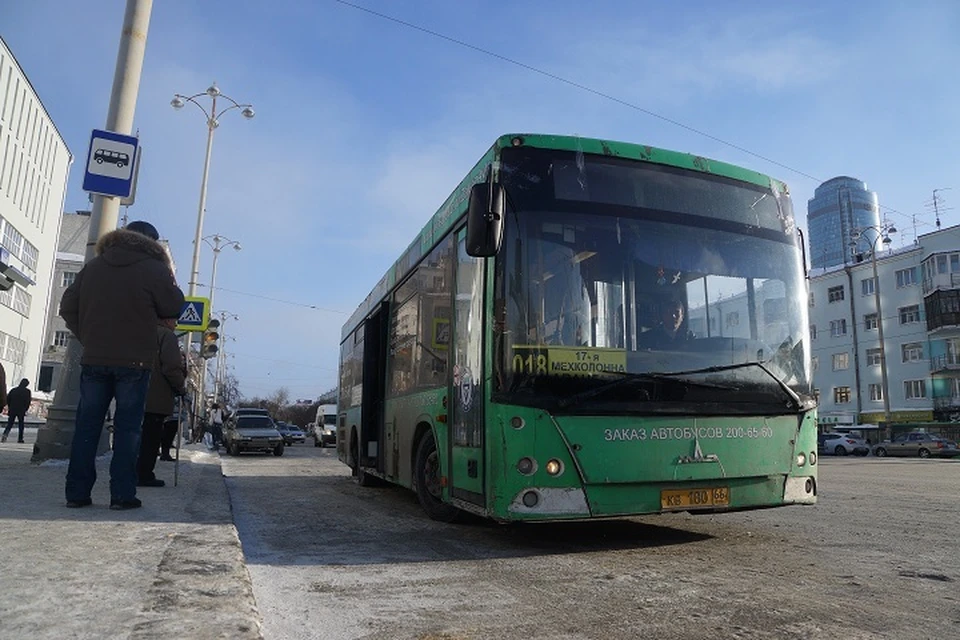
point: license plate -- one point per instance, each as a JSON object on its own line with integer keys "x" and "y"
{"x": 694, "y": 498}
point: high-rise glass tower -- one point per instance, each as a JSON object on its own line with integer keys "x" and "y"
{"x": 839, "y": 208}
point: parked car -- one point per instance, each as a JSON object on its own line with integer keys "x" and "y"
{"x": 843, "y": 444}
{"x": 253, "y": 433}
{"x": 291, "y": 433}
{"x": 917, "y": 443}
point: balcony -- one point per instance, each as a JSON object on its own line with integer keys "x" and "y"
{"x": 947, "y": 403}
{"x": 941, "y": 281}
{"x": 945, "y": 363}
{"x": 942, "y": 309}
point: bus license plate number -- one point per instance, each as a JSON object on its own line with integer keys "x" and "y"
{"x": 694, "y": 498}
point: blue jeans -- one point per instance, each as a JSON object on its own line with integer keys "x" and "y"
{"x": 98, "y": 386}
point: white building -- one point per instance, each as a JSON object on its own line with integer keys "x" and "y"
{"x": 919, "y": 291}
{"x": 34, "y": 163}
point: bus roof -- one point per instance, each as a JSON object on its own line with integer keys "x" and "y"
{"x": 455, "y": 206}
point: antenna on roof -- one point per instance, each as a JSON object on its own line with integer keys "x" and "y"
{"x": 938, "y": 204}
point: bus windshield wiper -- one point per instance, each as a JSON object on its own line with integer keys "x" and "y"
{"x": 626, "y": 378}
{"x": 794, "y": 397}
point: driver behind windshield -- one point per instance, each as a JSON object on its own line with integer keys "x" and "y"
{"x": 670, "y": 330}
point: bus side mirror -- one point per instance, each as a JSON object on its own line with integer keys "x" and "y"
{"x": 485, "y": 220}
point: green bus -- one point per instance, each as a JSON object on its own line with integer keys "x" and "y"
{"x": 585, "y": 329}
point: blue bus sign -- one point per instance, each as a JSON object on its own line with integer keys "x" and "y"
{"x": 111, "y": 159}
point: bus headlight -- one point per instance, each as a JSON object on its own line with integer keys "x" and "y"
{"x": 801, "y": 459}
{"x": 526, "y": 466}
{"x": 517, "y": 422}
{"x": 554, "y": 467}
{"x": 813, "y": 457}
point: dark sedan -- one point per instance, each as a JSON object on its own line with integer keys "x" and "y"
{"x": 291, "y": 433}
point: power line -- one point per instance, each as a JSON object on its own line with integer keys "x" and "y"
{"x": 595, "y": 92}
{"x": 262, "y": 297}
{"x": 295, "y": 364}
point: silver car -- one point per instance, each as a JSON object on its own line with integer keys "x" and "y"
{"x": 917, "y": 444}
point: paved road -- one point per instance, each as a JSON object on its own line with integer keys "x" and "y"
{"x": 876, "y": 558}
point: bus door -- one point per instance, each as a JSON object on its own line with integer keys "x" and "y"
{"x": 466, "y": 442}
{"x": 374, "y": 377}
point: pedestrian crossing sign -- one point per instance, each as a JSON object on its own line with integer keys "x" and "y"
{"x": 195, "y": 314}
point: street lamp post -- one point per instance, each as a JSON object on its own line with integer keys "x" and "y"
{"x": 222, "y": 354}
{"x": 217, "y": 243}
{"x": 213, "y": 121}
{"x": 882, "y": 236}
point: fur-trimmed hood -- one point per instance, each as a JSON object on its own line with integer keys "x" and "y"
{"x": 123, "y": 247}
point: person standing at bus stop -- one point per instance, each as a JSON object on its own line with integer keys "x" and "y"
{"x": 113, "y": 308}
{"x": 168, "y": 380}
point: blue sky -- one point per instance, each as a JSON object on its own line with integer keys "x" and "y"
{"x": 364, "y": 126}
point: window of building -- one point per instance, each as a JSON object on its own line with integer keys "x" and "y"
{"x": 815, "y": 362}
{"x": 954, "y": 262}
{"x": 812, "y": 304}
{"x": 941, "y": 264}
{"x": 21, "y": 301}
{"x": 841, "y": 361}
{"x": 873, "y": 357}
{"x": 912, "y": 351}
{"x": 12, "y": 349}
{"x": 838, "y": 327}
{"x": 907, "y": 277}
{"x": 841, "y": 395}
{"x": 868, "y": 286}
{"x": 733, "y": 319}
{"x": 835, "y": 294}
{"x": 813, "y": 332}
{"x": 60, "y": 338}
{"x": 915, "y": 389}
{"x": 67, "y": 278}
{"x": 910, "y": 314}
{"x": 876, "y": 392}
{"x": 816, "y": 395}
{"x": 870, "y": 321}
{"x": 955, "y": 388}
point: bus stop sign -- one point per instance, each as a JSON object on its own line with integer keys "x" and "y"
{"x": 111, "y": 158}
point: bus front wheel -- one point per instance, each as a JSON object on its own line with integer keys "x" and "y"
{"x": 428, "y": 482}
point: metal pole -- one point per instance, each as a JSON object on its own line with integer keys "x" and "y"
{"x": 883, "y": 350}
{"x": 213, "y": 271}
{"x": 55, "y": 438}
{"x": 198, "y": 240}
{"x": 213, "y": 279}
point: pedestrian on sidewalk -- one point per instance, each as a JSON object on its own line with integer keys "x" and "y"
{"x": 216, "y": 425}
{"x": 113, "y": 307}
{"x": 169, "y": 379}
{"x": 3, "y": 387}
{"x": 18, "y": 401}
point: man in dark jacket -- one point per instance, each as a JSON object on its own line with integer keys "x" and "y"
{"x": 113, "y": 308}
{"x": 18, "y": 401}
{"x": 168, "y": 379}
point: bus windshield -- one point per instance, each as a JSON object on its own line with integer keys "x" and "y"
{"x": 690, "y": 283}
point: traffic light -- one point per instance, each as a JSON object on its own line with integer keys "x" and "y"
{"x": 208, "y": 346}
